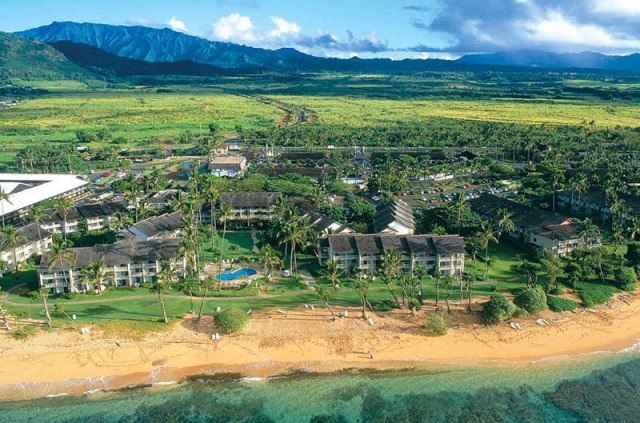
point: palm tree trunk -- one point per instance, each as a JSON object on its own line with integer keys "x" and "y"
{"x": 46, "y": 310}
{"x": 437, "y": 292}
{"x": 206, "y": 291}
{"x": 333, "y": 316}
{"x": 364, "y": 307}
{"x": 486, "y": 261}
{"x": 421, "y": 290}
{"x": 164, "y": 311}
{"x": 392, "y": 293}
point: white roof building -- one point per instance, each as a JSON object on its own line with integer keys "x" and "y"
{"x": 27, "y": 190}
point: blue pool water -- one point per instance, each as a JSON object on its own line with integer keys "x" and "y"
{"x": 245, "y": 271}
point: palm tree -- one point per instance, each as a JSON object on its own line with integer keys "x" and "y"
{"x": 43, "y": 294}
{"x": 487, "y": 235}
{"x": 224, "y": 214}
{"x": 94, "y": 276}
{"x": 186, "y": 286}
{"x": 633, "y": 228}
{"x": 212, "y": 194}
{"x": 300, "y": 232}
{"x": 588, "y": 230}
{"x": 58, "y": 309}
{"x": 390, "y": 266}
{"x": 316, "y": 196}
{"x": 162, "y": 285}
{"x": 207, "y": 284}
{"x": 324, "y": 294}
{"x": 60, "y": 255}
{"x": 270, "y": 259}
{"x": 420, "y": 272}
{"x": 37, "y": 215}
{"x": 332, "y": 272}
{"x": 617, "y": 234}
{"x": 4, "y": 196}
{"x": 119, "y": 221}
{"x": 505, "y": 224}
{"x": 459, "y": 205}
{"x": 12, "y": 238}
{"x": 132, "y": 189}
{"x": 63, "y": 205}
{"x": 361, "y": 285}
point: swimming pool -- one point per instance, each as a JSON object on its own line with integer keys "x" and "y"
{"x": 245, "y": 271}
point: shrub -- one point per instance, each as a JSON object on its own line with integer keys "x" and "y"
{"x": 415, "y": 305}
{"x": 230, "y": 320}
{"x": 520, "y": 313}
{"x": 592, "y": 294}
{"x": 533, "y": 300}
{"x": 556, "y": 290}
{"x": 558, "y": 304}
{"x": 497, "y": 309}
{"x": 435, "y": 325}
{"x": 383, "y": 305}
{"x": 626, "y": 279}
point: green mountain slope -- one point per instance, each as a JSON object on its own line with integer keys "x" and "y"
{"x": 28, "y": 59}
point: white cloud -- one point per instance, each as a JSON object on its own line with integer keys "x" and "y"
{"x": 283, "y": 27}
{"x": 234, "y": 27}
{"x": 177, "y": 25}
{"x": 616, "y": 7}
{"x": 555, "y": 28}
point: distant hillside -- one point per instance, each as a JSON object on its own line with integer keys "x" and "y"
{"x": 156, "y": 45}
{"x": 542, "y": 59}
{"x": 22, "y": 58}
{"x": 100, "y": 61}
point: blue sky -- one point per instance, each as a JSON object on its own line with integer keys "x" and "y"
{"x": 367, "y": 28}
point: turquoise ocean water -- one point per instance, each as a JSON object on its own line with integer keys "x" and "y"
{"x": 601, "y": 389}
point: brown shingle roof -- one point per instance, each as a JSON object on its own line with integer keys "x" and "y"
{"x": 250, "y": 199}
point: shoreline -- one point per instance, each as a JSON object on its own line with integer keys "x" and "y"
{"x": 302, "y": 343}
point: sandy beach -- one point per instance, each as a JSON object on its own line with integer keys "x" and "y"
{"x": 68, "y": 362}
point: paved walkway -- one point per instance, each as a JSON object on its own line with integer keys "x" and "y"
{"x": 254, "y": 238}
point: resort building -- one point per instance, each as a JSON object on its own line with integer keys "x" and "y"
{"x": 535, "y": 227}
{"x": 125, "y": 263}
{"x": 324, "y": 225}
{"x": 363, "y": 251}
{"x": 162, "y": 199}
{"x": 228, "y": 166}
{"x": 594, "y": 203}
{"x": 154, "y": 228}
{"x": 250, "y": 207}
{"x": 396, "y": 217}
{"x": 28, "y": 190}
{"x": 95, "y": 216}
{"x": 34, "y": 242}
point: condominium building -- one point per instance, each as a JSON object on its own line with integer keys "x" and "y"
{"x": 363, "y": 251}
{"x": 248, "y": 207}
{"x": 228, "y": 166}
{"x": 396, "y": 217}
{"x": 157, "y": 227}
{"x": 33, "y": 242}
{"x": 96, "y": 215}
{"x": 125, "y": 264}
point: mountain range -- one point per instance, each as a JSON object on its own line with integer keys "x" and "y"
{"x": 139, "y": 50}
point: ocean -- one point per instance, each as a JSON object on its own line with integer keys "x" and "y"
{"x": 598, "y": 389}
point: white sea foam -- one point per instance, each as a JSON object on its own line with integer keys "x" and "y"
{"x": 170, "y": 382}
{"x": 63, "y": 394}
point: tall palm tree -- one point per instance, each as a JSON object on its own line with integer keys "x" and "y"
{"x": 37, "y": 215}
{"x": 505, "y": 224}
{"x": 162, "y": 285}
{"x": 324, "y": 294}
{"x": 133, "y": 190}
{"x": 332, "y": 272}
{"x": 420, "y": 272}
{"x": 390, "y": 266}
{"x": 617, "y": 235}
{"x": 4, "y": 196}
{"x": 300, "y": 233}
{"x": 224, "y": 214}
{"x": 207, "y": 284}
{"x": 63, "y": 205}
{"x": 212, "y": 195}
{"x": 633, "y": 228}
{"x": 43, "y": 294}
{"x": 94, "y": 276}
{"x": 12, "y": 238}
{"x": 60, "y": 255}
{"x": 316, "y": 196}
{"x": 486, "y": 235}
{"x": 270, "y": 259}
{"x": 460, "y": 205}
{"x": 361, "y": 285}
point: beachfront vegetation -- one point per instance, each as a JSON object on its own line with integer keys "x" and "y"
{"x": 435, "y": 324}
{"x": 559, "y": 304}
{"x": 497, "y": 309}
{"x": 533, "y": 300}
{"x": 230, "y": 320}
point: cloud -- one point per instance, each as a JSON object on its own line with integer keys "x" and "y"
{"x": 556, "y": 25}
{"x": 284, "y": 33}
{"x": 283, "y": 27}
{"x": 235, "y": 28}
{"x": 177, "y": 25}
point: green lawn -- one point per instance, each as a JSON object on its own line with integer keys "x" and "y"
{"x": 236, "y": 244}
